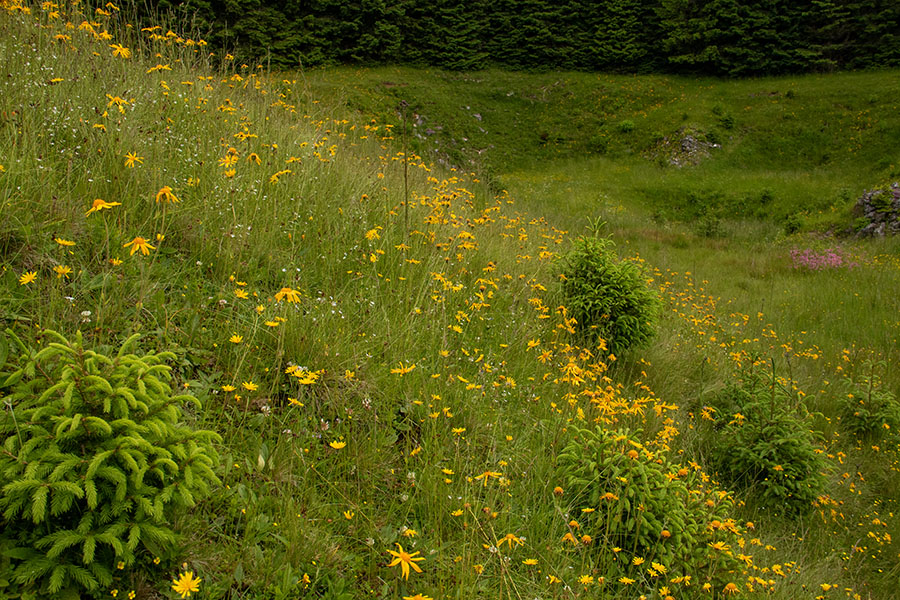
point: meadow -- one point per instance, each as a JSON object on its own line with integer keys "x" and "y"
{"x": 337, "y": 362}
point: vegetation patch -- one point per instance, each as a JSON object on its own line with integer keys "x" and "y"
{"x": 764, "y": 442}
{"x": 96, "y": 464}
{"x": 609, "y": 298}
{"x": 869, "y": 411}
{"x": 642, "y": 505}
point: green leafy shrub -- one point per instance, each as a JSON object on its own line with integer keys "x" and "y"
{"x": 868, "y": 411}
{"x": 609, "y": 298}
{"x": 626, "y": 126}
{"x": 94, "y": 462}
{"x": 763, "y": 441}
{"x": 598, "y": 143}
{"x": 645, "y": 505}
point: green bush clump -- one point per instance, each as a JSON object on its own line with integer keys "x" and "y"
{"x": 626, "y": 126}
{"x": 95, "y": 460}
{"x": 609, "y": 298}
{"x": 763, "y": 441}
{"x": 868, "y": 411}
{"x": 646, "y": 505}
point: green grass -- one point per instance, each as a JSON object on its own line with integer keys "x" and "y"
{"x": 804, "y": 146}
{"x": 426, "y": 379}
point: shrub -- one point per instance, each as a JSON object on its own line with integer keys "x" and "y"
{"x": 598, "y": 144}
{"x": 763, "y": 442}
{"x": 626, "y": 126}
{"x": 609, "y": 298}
{"x": 868, "y": 411}
{"x": 94, "y": 462}
{"x": 646, "y": 505}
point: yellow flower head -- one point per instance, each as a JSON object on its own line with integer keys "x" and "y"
{"x": 286, "y": 293}
{"x": 186, "y": 583}
{"x": 165, "y": 195}
{"x": 99, "y": 204}
{"x": 132, "y": 159}
{"x": 141, "y": 244}
{"x": 405, "y": 560}
{"x": 27, "y": 277}
{"x": 120, "y": 50}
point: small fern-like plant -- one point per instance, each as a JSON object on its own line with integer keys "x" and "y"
{"x": 609, "y": 298}
{"x": 869, "y": 411}
{"x": 94, "y": 462}
{"x": 763, "y": 441}
{"x": 646, "y": 506}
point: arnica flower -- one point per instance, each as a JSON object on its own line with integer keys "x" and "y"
{"x": 99, "y": 204}
{"x": 405, "y": 560}
{"x": 511, "y": 540}
{"x": 62, "y": 271}
{"x": 337, "y": 445}
{"x": 27, "y": 277}
{"x": 120, "y": 50}
{"x": 141, "y": 244}
{"x": 286, "y": 293}
{"x": 165, "y": 195}
{"x": 186, "y": 583}
{"x": 132, "y": 159}
{"x": 403, "y": 369}
{"x": 484, "y": 477}
{"x": 417, "y": 597}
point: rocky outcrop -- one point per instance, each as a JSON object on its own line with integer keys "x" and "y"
{"x": 688, "y": 146}
{"x": 880, "y": 210}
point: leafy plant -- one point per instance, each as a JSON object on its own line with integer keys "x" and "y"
{"x": 95, "y": 461}
{"x": 608, "y": 297}
{"x": 626, "y": 126}
{"x": 763, "y": 441}
{"x": 645, "y": 505}
{"x": 868, "y": 411}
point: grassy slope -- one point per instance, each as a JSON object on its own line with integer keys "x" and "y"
{"x": 803, "y": 147}
{"x": 447, "y": 457}
{"x": 813, "y": 143}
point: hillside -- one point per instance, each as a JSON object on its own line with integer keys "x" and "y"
{"x": 262, "y": 341}
{"x": 799, "y": 149}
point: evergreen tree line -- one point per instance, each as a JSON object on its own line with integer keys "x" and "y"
{"x": 712, "y": 37}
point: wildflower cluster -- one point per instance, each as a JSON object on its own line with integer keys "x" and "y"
{"x": 819, "y": 260}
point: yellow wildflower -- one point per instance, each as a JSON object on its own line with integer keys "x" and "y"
{"x": 165, "y": 195}
{"x": 185, "y": 584}
{"x": 141, "y": 244}
{"x": 99, "y": 204}
{"x": 405, "y": 560}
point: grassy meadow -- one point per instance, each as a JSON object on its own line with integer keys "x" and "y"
{"x": 357, "y": 275}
